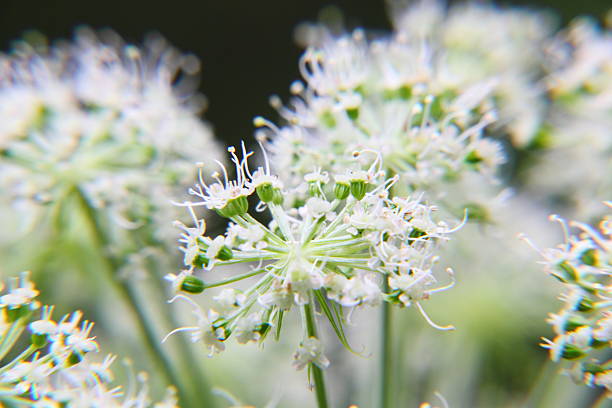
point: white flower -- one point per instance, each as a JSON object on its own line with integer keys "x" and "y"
{"x": 310, "y": 352}
{"x": 228, "y": 299}
{"x": 105, "y": 118}
{"x": 248, "y": 328}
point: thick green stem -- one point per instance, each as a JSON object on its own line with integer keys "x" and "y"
{"x": 129, "y": 296}
{"x": 385, "y": 387}
{"x": 317, "y": 373}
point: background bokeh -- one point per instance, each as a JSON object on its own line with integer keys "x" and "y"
{"x": 246, "y": 47}
{"x": 248, "y": 52}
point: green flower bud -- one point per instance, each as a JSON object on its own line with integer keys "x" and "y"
{"x": 567, "y": 272}
{"x": 404, "y": 92}
{"x": 263, "y": 328}
{"x": 200, "y": 261}
{"x": 225, "y": 253}
{"x": 234, "y": 207}
{"x": 353, "y": 113}
{"x": 585, "y": 305}
{"x": 358, "y": 189}
{"x": 314, "y": 189}
{"x": 277, "y": 198}
{"x": 473, "y": 157}
{"x": 328, "y": 119}
{"x": 598, "y": 344}
{"x": 417, "y": 233}
{"x": 592, "y": 368}
{"x": 265, "y": 192}
{"x": 342, "y": 190}
{"x": 575, "y": 322}
{"x": 477, "y": 213}
{"x": 542, "y": 139}
{"x": 572, "y": 352}
{"x": 191, "y": 284}
{"x": 73, "y": 359}
{"x": 589, "y": 257}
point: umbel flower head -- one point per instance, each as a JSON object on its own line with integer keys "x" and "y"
{"x": 402, "y": 96}
{"x": 583, "y": 328}
{"x": 354, "y": 247}
{"x": 578, "y": 130}
{"x": 115, "y": 121}
{"x": 54, "y": 368}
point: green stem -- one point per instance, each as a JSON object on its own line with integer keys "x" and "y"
{"x": 191, "y": 372}
{"x": 9, "y": 338}
{"x": 385, "y": 386}
{"x": 317, "y": 373}
{"x": 129, "y": 295}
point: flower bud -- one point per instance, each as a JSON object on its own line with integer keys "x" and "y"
{"x": 342, "y": 190}
{"x": 73, "y": 359}
{"x": 358, "y": 189}
{"x": 473, "y": 157}
{"x": 598, "y": 344}
{"x": 277, "y": 197}
{"x": 353, "y": 113}
{"x": 265, "y": 192}
{"x": 572, "y": 352}
{"x": 567, "y": 272}
{"x": 417, "y": 233}
{"x": 191, "y": 284}
{"x": 200, "y": 261}
{"x": 592, "y": 368}
{"x": 234, "y": 207}
{"x": 225, "y": 253}
{"x": 328, "y": 119}
{"x": 575, "y": 322}
{"x": 314, "y": 189}
{"x": 589, "y": 257}
{"x": 263, "y": 328}
{"x": 585, "y": 305}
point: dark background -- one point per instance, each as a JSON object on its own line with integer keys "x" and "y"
{"x": 246, "y": 47}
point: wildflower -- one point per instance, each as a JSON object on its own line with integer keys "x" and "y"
{"x": 389, "y": 101}
{"x": 579, "y": 82}
{"x": 582, "y": 327}
{"x": 54, "y": 368}
{"x": 331, "y": 252}
{"x": 101, "y": 117}
{"x": 310, "y": 352}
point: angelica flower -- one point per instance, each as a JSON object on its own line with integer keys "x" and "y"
{"x": 55, "y": 367}
{"x": 391, "y": 101}
{"x": 102, "y": 118}
{"x": 310, "y": 352}
{"x": 579, "y": 82}
{"x": 583, "y": 263}
{"x": 330, "y": 251}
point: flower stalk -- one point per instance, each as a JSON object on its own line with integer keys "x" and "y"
{"x": 129, "y": 296}
{"x": 317, "y": 373}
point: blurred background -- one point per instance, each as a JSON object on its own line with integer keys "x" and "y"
{"x": 247, "y": 48}
{"x": 248, "y": 52}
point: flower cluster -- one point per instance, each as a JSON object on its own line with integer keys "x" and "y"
{"x": 578, "y": 129}
{"x": 55, "y": 369}
{"x": 476, "y": 41}
{"x": 354, "y": 246}
{"x": 584, "y": 265}
{"x": 117, "y": 122}
{"x": 413, "y": 97}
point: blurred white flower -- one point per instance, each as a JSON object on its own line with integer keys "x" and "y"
{"x": 116, "y": 122}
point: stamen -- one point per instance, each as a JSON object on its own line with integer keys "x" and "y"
{"x": 431, "y": 323}
{"x": 594, "y": 235}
